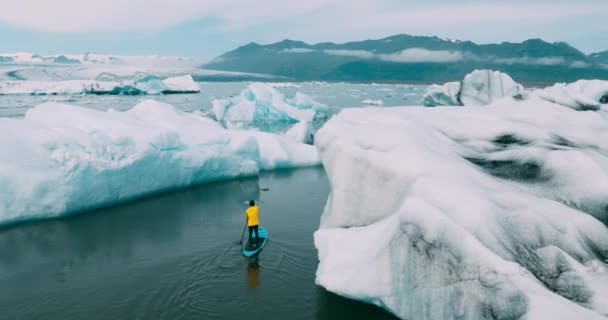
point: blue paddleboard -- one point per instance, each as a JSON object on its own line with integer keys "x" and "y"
{"x": 252, "y": 249}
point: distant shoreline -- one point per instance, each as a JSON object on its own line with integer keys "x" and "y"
{"x": 527, "y": 84}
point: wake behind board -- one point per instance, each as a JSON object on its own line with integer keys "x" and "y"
{"x": 251, "y": 249}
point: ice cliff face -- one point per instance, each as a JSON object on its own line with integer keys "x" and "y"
{"x": 61, "y": 159}
{"x": 468, "y": 213}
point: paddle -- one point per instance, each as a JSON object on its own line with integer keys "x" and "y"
{"x": 245, "y": 228}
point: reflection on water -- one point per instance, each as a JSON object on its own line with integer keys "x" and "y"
{"x": 177, "y": 256}
{"x": 253, "y": 272}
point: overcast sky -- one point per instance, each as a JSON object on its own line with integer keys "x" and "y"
{"x": 204, "y": 29}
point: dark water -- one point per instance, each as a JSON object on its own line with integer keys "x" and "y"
{"x": 176, "y": 256}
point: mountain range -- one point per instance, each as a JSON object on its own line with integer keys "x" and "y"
{"x": 413, "y": 59}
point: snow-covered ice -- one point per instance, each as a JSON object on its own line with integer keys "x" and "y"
{"x": 580, "y": 95}
{"x": 480, "y": 87}
{"x": 301, "y": 132}
{"x": 468, "y": 213}
{"x": 146, "y": 85}
{"x": 64, "y": 159}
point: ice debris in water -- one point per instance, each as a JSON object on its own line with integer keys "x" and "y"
{"x": 147, "y": 85}
{"x": 468, "y": 213}
{"x": 481, "y": 87}
{"x": 67, "y": 159}
{"x": 372, "y": 102}
{"x": 261, "y": 106}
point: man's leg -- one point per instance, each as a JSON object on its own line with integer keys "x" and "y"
{"x": 250, "y": 233}
{"x": 257, "y": 235}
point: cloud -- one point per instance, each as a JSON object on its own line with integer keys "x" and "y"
{"x": 297, "y": 50}
{"x": 362, "y": 54}
{"x": 78, "y": 16}
{"x": 579, "y": 64}
{"x": 423, "y": 55}
{"x": 546, "y": 61}
{"x": 106, "y": 16}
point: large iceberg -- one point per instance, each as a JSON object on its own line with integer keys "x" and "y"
{"x": 61, "y": 159}
{"x": 481, "y": 87}
{"x": 260, "y": 104}
{"x": 468, "y": 213}
{"x": 146, "y": 85}
{"x": 580, "y": 95}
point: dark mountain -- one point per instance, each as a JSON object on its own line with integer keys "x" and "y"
{"x": 410, "y": 58}
{"x": 600, "y": 57}
{"x": 64, "y": 59}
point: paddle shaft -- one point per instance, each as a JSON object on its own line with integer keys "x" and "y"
{"x": 244, "y": 231}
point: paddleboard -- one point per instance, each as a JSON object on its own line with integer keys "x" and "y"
{"x": 251, "y": 249}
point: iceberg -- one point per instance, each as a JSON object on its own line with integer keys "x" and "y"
{"x": 372, "y": 102}
{"x": 467, "y": 213}
{"x": 580, "y": 95}
{"x": 479, "y": 88}
{"x": 263, "y": 107}
{"x": 301, "y": 132}
{"x": 62, "y": 159}
{"x": 147, "y": 85}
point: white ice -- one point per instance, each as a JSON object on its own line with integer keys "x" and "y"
{"x": 263, "y": 107}
{"x": 580, "y": 95}
{"x": 146, "y": 85}
{"x": 481, "y": 87}
{"x": 467, "y": 213}
{"x": 372, "y": 102}
{"x": 61, "y": 159}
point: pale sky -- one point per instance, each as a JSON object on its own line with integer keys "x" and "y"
{"x": 204, "y": 29}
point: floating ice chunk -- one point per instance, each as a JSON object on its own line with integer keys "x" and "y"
{"x": 306, "y": 102}
{"x": 467, "y": 213}
{"x": 259, "y": 103}
{"x": 479, "y": 88}
{"x": 300, "y": 132}
{"x": 146, "y": 85}
{"x": 64, "y": 159}
{"x": 183, "y": 84}
{"x": 444, "y": 95}
{"x": 372, "y": 102}
{"x": 283, "y": 85}
{"x": 580, "y": 95}
{"x": 482, "y": 87}
{"x": 263, "y": 107}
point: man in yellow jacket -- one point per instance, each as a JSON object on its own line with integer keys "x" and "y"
{"x": 252, "y": 221}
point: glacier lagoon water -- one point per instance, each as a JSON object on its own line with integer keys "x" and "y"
{"x": 176, "y": 256}
{"x": 335, "y": 95}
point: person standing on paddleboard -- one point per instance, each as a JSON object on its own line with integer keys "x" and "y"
{"x": 253, "y": 221}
